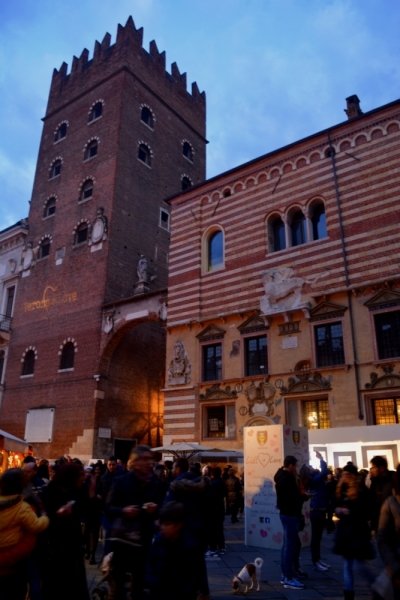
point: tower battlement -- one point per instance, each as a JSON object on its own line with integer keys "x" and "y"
{"x": 127, "y": 52}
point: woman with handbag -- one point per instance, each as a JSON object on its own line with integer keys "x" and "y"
{"x": 388, "y": 539}
{"x": 353, "y": 535}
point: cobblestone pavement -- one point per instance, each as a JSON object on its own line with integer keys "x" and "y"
{"x": 324, "y": 586}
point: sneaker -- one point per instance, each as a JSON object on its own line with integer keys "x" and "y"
{"x": 293, "y": 584}
{"x": 320, "y": 567}
{"x": 324, "y": 564}
{"x": 282, "y": 579}
{"x": 300, "y": 574}
{"x": 222, "y": 551}
{"x": 209, "y": 553}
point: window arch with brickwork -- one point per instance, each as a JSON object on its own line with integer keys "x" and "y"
{"x": 49, "y": 207}
{"x": 96, "y": 110}
{"x": 145, "y": 154}
{"x": 67, "y": 354}
{"x": 187, "y": 150}
{"x": 86, "y": 191}
{"x": 61, "y": 131}
{"x": 276, "y": 235}
{"x": 44, "y": 246}
{"x": 147, "y": 116}
{"x": 28, "y": 360}
{"x": 55, "y": 168}
{"x": 213, "y": 254}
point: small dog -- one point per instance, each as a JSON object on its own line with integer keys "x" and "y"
{"x": 248, "y": 575}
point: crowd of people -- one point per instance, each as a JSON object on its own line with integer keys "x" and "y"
{"x": 150, "y": 516}
{"x": 366, "y": 508}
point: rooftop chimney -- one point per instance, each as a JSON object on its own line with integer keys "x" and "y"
{"x": 353, "y": 109}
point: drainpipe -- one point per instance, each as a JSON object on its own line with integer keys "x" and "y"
{"x": 346, "y": 272}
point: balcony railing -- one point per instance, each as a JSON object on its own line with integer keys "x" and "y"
{"x": 5, "y": 323}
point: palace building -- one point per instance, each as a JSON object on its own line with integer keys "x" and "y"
{"x": 87, "y": 350}
{"x": 284, "y": 288}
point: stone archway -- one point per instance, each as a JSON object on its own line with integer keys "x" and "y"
{"x": 130, "y": 403}
{"x": 259, "y": 420}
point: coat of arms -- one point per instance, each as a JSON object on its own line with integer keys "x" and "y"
{"x": 296, "y": 437}
{"x": 262, "y": 437}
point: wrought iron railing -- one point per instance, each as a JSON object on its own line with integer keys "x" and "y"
{"x": 5, "y": 323}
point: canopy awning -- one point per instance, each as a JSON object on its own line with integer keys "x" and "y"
{"x": 187, "y": 450}
{"x": 11, "y": 443}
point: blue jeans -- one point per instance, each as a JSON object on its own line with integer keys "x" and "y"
{"x": 290, "y": 540}
{"x": 348, "y": 577}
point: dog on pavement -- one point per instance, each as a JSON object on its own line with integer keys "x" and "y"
{"x": 250, "y": 574}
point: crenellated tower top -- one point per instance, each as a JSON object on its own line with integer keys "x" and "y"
{"x": 126, "y": 53}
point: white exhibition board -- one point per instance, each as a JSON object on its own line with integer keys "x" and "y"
{"x": 264, "y": 450}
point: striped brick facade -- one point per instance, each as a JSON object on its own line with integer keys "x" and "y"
{"x": 345, "y": 270}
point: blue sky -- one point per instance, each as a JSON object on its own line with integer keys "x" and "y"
{"x": 274, "y": 71}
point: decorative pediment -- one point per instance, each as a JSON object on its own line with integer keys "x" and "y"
{"x": 383, "y": 299}
{"x": 327, "y": 310}
{"x": 252, "y": 324}
{"x": 306, "y": 382}
{"x": 216, "y": 393}
{"x": 388, "y": 380}
{"x": 212, "y": 332}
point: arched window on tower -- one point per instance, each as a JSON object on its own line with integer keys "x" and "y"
{"x": 215, "y": 248}
{"x": 318, "y": 221}
{"x": 298, "y": 229}
{"x": 50, "y": 208}
{"x": 144, "y": 154}
{"x": 55, "y": 170}
{"x": 147, "y": 116}
{"x": 81, "y": 233}
{"x": 96, "y": 111}
{"x": 28, "y": 365}
{"x": 187, "y": 151}
{"x": 186, "y": 183}
{"x": 86, "y": 190}
{"x": 67, "y": 356}
{"x": 61, "y": 132}
{"x": 91, "y": 150}
{"x": 44, "y": 248}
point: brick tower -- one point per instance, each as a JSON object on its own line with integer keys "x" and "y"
{"x": 119, "y": 135}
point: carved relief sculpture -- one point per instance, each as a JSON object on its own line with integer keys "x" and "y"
{"x": 98, "y": 228}
{"x": 282, "y": 290}
{"x": 261, "y": 398}
{"x": 179, "y": 368}
{"x": 27, "y": 257}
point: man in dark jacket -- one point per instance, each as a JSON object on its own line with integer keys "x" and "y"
{"x": 133, "y": 505}
{"x": 381, "y": 486}
{"x": 289, "y": 502}
{"x": 105, "y": 484}
{"x": 233, "y": 495}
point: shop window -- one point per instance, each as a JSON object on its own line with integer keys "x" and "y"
{"x": 386, "y": 411}
{"x": 86, "y": 190}
{"x": 96, "y": 111}
{"x": 67, "y": 356}
{"x": 44, "y": 248}
{"x": 298, "y": 229}
{"x": 220, "y": 422}
{"x": 28, "y": 365}
{"x": 187, "y": 151}
{"x": 81, "y": 233}
{"x": 61, "y": 132}
{"x": 215, "y": 254}
{"x": 318, "y": 221}
{"x": 50, "y": 208}
{"x": 256, "y": 360}
{"x": 212, "y": 362}
{"x": 329, "y": 347}
{"x": 387, "y": 330}
{"x": 91, "y": 150}
{"x": 147, "y": 116}
{"x": 55, "y": 169}
{"x": 316, "y": 414}
{"x": 144, "y": 154}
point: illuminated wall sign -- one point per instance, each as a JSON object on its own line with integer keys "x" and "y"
{"x": 51, "y": 297}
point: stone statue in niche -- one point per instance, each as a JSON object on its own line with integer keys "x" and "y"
{"x": 235, "y": 349}
{"x": 142, "y": 269}
{"x": 99, "y": 227}
{"x": 261, "y": 399}
{"x": 179, "y": 368}
{"x": 282, "y": 290}
{"x": 163, "y": 311}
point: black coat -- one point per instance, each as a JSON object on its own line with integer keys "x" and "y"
{"x": 353, "y": 534}
{"x": 233, "y": 492}
{"x": 130, "y": 490}
{"x": 289, "y": 499}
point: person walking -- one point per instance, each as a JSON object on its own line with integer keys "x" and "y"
{"x": 313, "y": 482}
{"x": 289, "y": 502}
{"x": 353, "y": 535}
{"x": 233, "y": 495}
{"x": 388, "y": 537}
{"x": 104, "y": 486}
{"x": 133, "y": 505}
{"x": 217, "y": 514}
{"x": 381, "y": 486}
